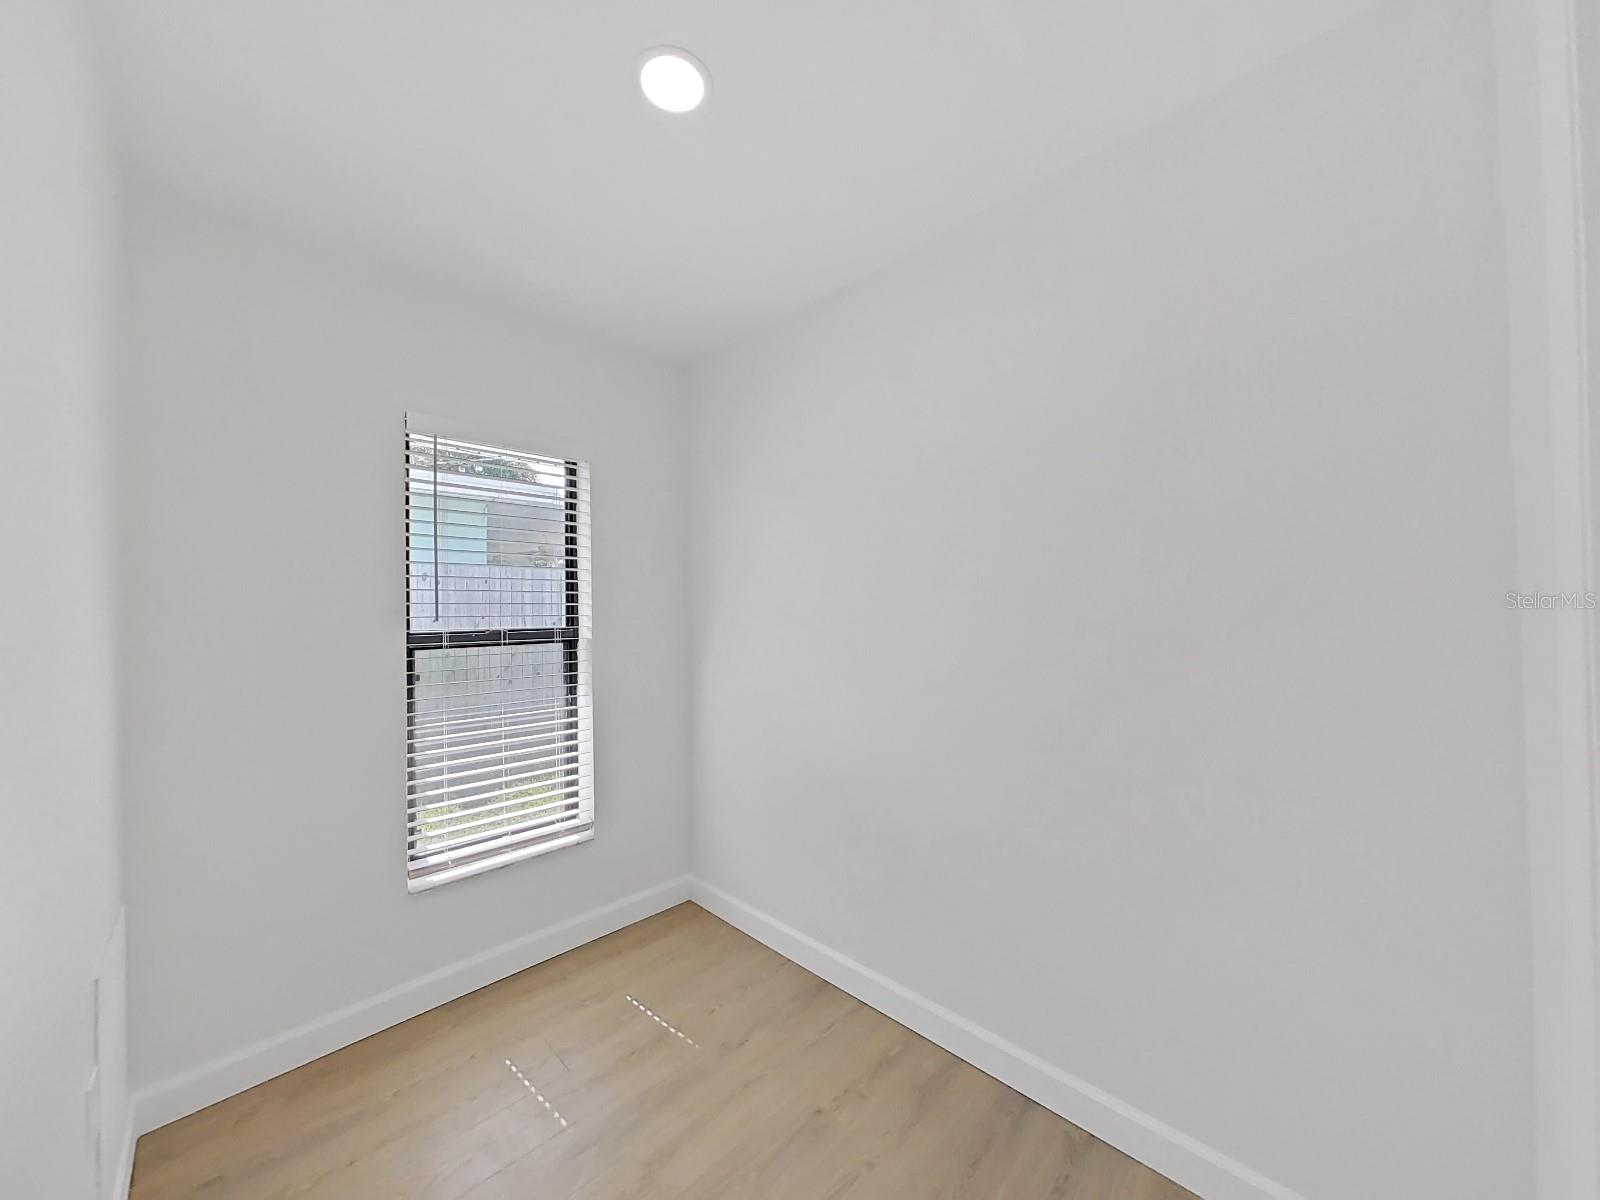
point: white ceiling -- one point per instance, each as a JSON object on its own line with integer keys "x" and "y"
{"x": 506, "y": 140}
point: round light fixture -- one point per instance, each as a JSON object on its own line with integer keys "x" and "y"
{"x": 674, "y": 80}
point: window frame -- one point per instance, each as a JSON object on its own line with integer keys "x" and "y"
{"x": 571, "y": 635}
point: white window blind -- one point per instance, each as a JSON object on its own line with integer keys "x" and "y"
{"x": 499, "y": 728}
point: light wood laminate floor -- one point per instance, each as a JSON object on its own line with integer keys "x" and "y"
{"x": 675, "y": 1058}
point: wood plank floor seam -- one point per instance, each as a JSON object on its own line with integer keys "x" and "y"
{"x": 549, "y": 1084}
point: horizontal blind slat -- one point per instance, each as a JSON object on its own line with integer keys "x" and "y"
{"x": 458, "y": 723}
{"x": 521, "y": 767}
{"x": 571, "y": 785}
{"x": 534, "y": 771}
{"x": 452, "y": 850}
{"x": 505, "y": 735}
{"x": 493, "y": 842}
{"x": 567, "y": 779}
{"x": 445, "y": 835}
{"x": 455, "y": 762}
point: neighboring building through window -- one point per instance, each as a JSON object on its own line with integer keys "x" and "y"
{"x": 499, "y": 727}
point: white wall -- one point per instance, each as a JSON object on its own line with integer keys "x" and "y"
{"x": 59, "y": 892}
{"x": 1588, "y": 75}
{"x": 1587, "y": 52}
{"x": 1539, "y": 176}
{"x": 1100, "y": 624}
{"x": 266, "y": 383}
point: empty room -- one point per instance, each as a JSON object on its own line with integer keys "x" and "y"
{"x": 654, "y": 599}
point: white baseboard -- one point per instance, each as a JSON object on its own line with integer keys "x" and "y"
{"x": 122, "y": 1181}
{"x": 180, "y": 1095}
{"x": 1205, "y": 1171}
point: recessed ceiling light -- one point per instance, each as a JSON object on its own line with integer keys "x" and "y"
{"x": 674, "y": 80}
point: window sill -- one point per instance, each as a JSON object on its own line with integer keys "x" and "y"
{"x": 439, "y": 878}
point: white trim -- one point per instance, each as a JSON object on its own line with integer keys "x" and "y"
{"x": 1541, "y": 184}
{"x": 191, "y": 1091}
{"x": 426, "y": 883}
{"x": 122, "y": 1181}
{"x": 114, "y": 967}
{"x": 1203, "y": 1170}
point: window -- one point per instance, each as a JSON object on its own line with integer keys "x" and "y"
{"x": 499, "y": 732}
